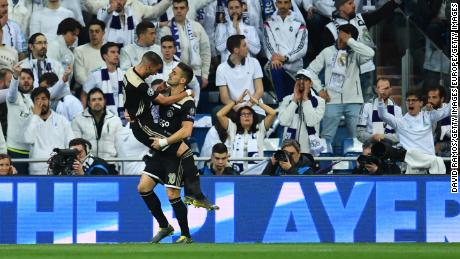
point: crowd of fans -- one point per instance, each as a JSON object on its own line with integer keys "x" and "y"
{"x": 62, "y": 65}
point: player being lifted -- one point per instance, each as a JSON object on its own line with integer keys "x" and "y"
{"x": 139, "y": 99}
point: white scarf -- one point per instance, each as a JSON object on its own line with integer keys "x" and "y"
{"x": 244, "y": 145}
{"x": 339, "y": 69}
{"x": 107, "y": 89}
{"x": 378, "y": 126}
{"x": 194, "y": 48}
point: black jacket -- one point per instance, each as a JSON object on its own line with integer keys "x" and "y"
{"x": 304, "y": 166}
{"x": 98, "y": 166}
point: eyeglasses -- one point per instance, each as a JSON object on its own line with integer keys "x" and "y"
{"x": 412, "y": 100}
{"x": 246, "y": 114}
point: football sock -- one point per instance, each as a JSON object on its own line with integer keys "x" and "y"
{"x": 181, "y": 215}
{"x": 191, "y": 176}
{"x": 154, "y": 205}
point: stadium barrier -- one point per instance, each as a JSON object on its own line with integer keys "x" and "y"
{"x": 198, "y": 159}
{"x": 108, "y": 209}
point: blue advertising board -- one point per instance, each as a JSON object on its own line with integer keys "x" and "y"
{"x": 253, "y": 209}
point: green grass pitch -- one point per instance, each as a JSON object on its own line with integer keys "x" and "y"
{"x": 233, "y": 251}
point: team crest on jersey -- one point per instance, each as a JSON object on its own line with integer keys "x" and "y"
{"x": 171, "y": 178}
{"x": 169, "y": 113}
{"x": 150, "y": 92}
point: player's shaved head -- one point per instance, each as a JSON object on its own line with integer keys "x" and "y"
{"x": 151, "y": 58}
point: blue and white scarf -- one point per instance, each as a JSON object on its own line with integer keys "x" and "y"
{"x": 116, "y": 33}
{"x": 220, "y": 11}
{"x": 378, "y": 126}
{"x": 268, "y": 8}
{"x": 194, "y": 47}
{"x": 107, "y": 89}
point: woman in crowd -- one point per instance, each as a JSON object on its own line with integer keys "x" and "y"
{"x": 246, "y": 135}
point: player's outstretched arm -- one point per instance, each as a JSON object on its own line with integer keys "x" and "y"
{"x": 168, "y": 100}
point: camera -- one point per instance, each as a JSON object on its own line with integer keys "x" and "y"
{"x": 281, "y": 155}
{"x": 61, "y": 161}
{"x": 363, "y": 159}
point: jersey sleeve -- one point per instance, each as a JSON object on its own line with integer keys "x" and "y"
{"x": 188, "y": 111}
{"x": 147, "y": 92}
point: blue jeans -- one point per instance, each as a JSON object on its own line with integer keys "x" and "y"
{"x": 367, "y": 85}
{"x": 283, "y": 83}
{"x": 332, "y": 116}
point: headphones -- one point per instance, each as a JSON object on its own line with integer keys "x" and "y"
{"x": 81, "y": 141}
{"x": 87, "y": 145}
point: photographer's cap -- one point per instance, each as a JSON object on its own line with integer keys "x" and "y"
{"x": 304, "y": 74}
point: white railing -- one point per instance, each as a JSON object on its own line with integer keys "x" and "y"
{"x": 135, "y": 159}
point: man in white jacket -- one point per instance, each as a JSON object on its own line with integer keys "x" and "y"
{"x": 342, "y": 90}
{"x": 19, "y": 111}
{"x": 286, "y": 42}
{"x": 98, "y": 125}
{"x": 88, "y": 56}
{"x": 20, "y": 107}
{"x": 132, "y": 54}
{"x": 191, "y": 41}
{"x": 122, "y": 16}
{"x": 60, "y": 48}
{"x": 45, "y": 130}
{"x": 301, "y": 113}
{"x": 236, "y": 26}
{"x": 415, "y": 134}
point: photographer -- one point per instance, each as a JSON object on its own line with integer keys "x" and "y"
{"x": 87, "y": 164}
{"x": 379, "y": 158}
{"x": 289, "y": 161}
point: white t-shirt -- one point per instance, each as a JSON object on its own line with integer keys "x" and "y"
{"x": 87, "y": 59}
{"x": 239, "y": 78}
{"x": 47, "y": 20}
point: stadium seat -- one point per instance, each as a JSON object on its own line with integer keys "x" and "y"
{"x": 352, "y": 147}
{"x": 271, "y": 145}
{"x": 200, "y": 128}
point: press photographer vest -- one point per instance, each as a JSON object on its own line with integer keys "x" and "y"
{"x": 363, "y": 36}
